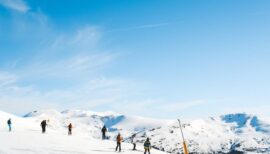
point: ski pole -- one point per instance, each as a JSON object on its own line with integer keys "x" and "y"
{"x": 184, "y": 142}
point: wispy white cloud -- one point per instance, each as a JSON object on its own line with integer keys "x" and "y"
{"x": 86, "y": 36}
{"x": 94, "y": 94}
{"x": 7, "y": 78}
{"x": 156, "y": 107}
{"x": 70, "y": 55}
{"x": 87, "y": 62}
{"x": 18, "y": 5}
{"x": 78, "y": 65}
{"x": 146, "y": 26}
{"x": 23, "y": 104}
{"x": 180, "y": 106}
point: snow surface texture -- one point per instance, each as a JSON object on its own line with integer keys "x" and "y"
{"x": 225, "y": 134}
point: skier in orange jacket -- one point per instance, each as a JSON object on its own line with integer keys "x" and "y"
{"x": 119, "y": 139}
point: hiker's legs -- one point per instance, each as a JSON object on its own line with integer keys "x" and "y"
{"x": 117, "y": 146}
{"x": 134, "y": 146}
{"x": 43, "y": 129}
{"x": 147, "y": 150}
{"x": 9, "y": 128}
{"x": 103, "y": 136}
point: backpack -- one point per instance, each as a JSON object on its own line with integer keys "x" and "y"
{"x": 119, "y": 138}
{"x": 147, "y": 144}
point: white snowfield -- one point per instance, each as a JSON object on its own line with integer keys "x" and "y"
{"x": 33, "y": 142}
{"x": 26, "y": 137}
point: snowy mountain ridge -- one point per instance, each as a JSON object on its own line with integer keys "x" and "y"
{"x": 230, "y": 133}
{"x": 89, "y": 121}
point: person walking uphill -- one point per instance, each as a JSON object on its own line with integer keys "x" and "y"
{"x": 118, "y": 140}
{"x": 147, "y": 146}
{"x": 9, "y": 124}
{"x": 70, "y": 129}
{"x": 104, "y": 130}
{"x": 43, "y": 125}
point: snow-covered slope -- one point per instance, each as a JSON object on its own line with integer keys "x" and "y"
{"x": 26, "y": 138}
{"x": 225, "y": 134}
{"x": 33, "y": 142}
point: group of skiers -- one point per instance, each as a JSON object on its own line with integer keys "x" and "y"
{"x": 119, "y": 139}
{"x": 44, "y": 124}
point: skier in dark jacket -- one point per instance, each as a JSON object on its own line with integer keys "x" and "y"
{"x": 9, "y": 124}
{"x": 104, "y": 130}
{"x": 43, "y": 125}
{"x": 147, "y": 146}
{"x": 70, "y": 129}
{"x": 118, "y": 140}
{"x": 133, "y": 141}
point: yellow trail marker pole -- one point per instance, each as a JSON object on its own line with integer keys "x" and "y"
{"x": 184, "y": 142}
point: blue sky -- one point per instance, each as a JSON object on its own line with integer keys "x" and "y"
{"x": 155, "y": 58}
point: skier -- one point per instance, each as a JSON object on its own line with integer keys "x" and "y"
{"x": 119, "y": 140}
{"x": 43, "y": 125}
{"x": 147, "y": 146}
{"x": 70, "y": 129}
{"x": 104, "y": 130}
{"x": 133, "y": 141}
{"x": 9, "y": 124}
